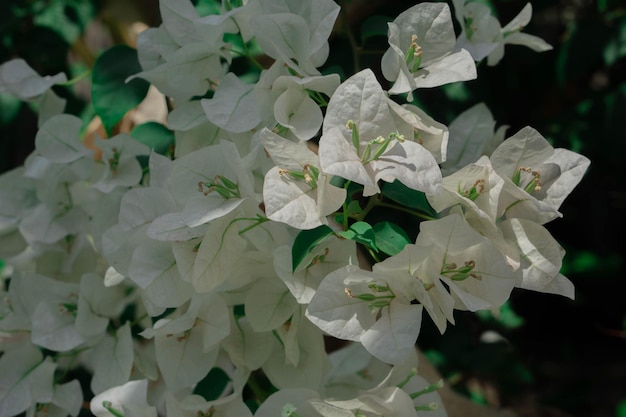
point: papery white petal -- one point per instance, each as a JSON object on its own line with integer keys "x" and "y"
{"x": 291, "y": 201}
{"x": 312, "y": 365}
{"x": 132, "y": 392}
{"x": 233, "y": 107}
{"x": 247, "y": 348}
{"x": 456, "y": 66}
{"x": 533, "y": 42}
{"x": 335, "y": 312}
{"x": 295, "y": 110}
{"x": 19, "y": 79}
{"x": 53, "y": 329}
{"x": 112, "y": 360}
{"x": 26, "y": 379}
{"x": 300, "y": 398}
{"x": 269, "y": 305}
{"x": 393, "y": 336}
{"x": 58, "y": 139}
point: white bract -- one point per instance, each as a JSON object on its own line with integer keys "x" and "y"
{"x": 295, "y": 191}
{"x": 422, "y": 50}
{"x": 483, "y": 37}
{"x": 362, "y": 142}
{"x": 295, "y": 32}
{"x": 200, "y": 281}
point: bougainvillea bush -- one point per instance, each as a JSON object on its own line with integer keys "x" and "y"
{"x": 196, "y": 267}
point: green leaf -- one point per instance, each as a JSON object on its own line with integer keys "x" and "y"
{"x": 390, "y": 238}
{"x": 212, "y": 385}
{"x": 408, "y": 197}
{"x": 306, "y": 241}
{"x": 154, "y": 135}
{"x": 361, "y": 232}
{"x": 112, "y": 96}
{"x": 68, "y": 20}
{"x": 9, "y": 108}
{"x": 353, "y": 208}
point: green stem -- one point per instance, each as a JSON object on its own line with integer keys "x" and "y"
{"x": 246, "y": 52}
{"x": 372, "y": 254}
{"x": 259, "y": 393}
{"x": 345, "y": 207}
{"x": 405, "y": 210}
{"x": 76, "y": 79}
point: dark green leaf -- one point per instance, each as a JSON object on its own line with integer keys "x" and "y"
{"x": 408, "y": 197}
{"x": 154, "y": 135}
{"x": 353, "y": 208}
{"x": 212, "y": 385}
{"x": 373, "y": 26}
{"x": 390, "y": 238}
{"x": 112, "y": 96}
{"x": 306, "y": 241}
{"x": 9, "y": 108}
{"x": 361, "y": 232}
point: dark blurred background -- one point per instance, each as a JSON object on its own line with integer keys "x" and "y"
{"x": 557, "y": 356}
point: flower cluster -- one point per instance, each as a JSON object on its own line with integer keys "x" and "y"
{"x": 225, "y": 263}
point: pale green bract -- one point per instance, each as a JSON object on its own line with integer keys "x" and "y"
{"x": 241, "y": 249}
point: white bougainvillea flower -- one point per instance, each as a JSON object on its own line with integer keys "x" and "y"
{"x": 302, "y": 361}
{"x": 295, "y": 32}
{"x": 290, "y": 98}
{"x": 58, "y": 140}
{"x": 47, "y": 308}
{"x": 183, "y": 57}
{"x": 291, "y": 399}
{"x": 541, "y": 257}
{"x": 480, "y": 30}
{"x": 185, "y": 25}
{"x": 269, "y": 305}
{"x": 194, "y": 131}
{"x": 187, "y": 71}
{"x": 512, "y": 34}
{"x": 415, "y": 124}
{"x": 474, "y": 192}
{"x": 422, "y": 50}
{"x": 121, "y": 167}
{"x": 207, "y": 184}
{"x": 295, "y": 191}
{"x": 362, "y": 141}
{"x": 187, "y": 346}
{"x": 27, "y": 378}
{"x": 329, "y": 255}
{"x": 400, "y": 392}
{"x": 111, "y": 359}
{"x": 361, "y": 99}
{"x": 19, "y": 79}
{"x": 245, "y": 347}
{"x": 448, "y": 251}
{"x": 537, "y": 177}
{"x": 195, "y": 405}
{"x": 366, "y": 307}
{"x": 97, "y": 304}
{"x": 472, "y": 134}
{"x": 383, "y": 402}
{"x": 129, "y": 399}
{"x": 234, "y": 106}
{"x": 476, "y": 187}
{"x": 229, "y": 403}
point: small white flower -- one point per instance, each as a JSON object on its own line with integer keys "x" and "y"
{"x": 422, "y": 50}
